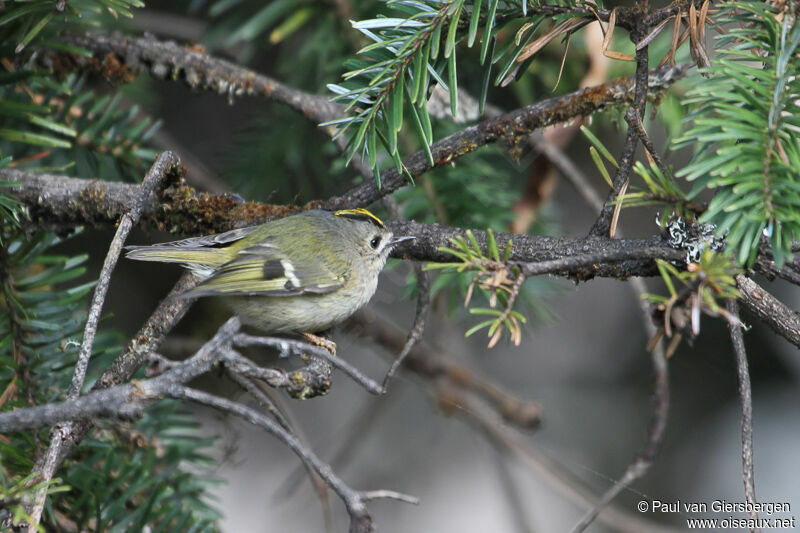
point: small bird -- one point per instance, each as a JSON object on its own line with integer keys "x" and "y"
{"x": 301, "y": 274}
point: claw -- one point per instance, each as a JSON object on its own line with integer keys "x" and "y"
{"x": 316, "y": 340}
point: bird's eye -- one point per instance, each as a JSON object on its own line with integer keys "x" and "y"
{"x": 375, "y": 242}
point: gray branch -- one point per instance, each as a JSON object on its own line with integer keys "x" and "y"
{"x": 158, "y": 171}
{"x": 783, "y": 320}
{"x": 119, "y": 58}
{"x": 60, "y": 201}
{"x": 578, "y": 258}
{"x": 746, "y": 399}
{"x": 128, "y": 400}
{"x": 147, "y": 339}
{"x": 47, "y": 466}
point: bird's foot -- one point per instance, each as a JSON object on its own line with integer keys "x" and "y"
{"x": 316, "y": 340}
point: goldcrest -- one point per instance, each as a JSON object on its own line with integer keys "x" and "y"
{"x": 301, "y": 274}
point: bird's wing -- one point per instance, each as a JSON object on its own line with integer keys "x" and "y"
{"x": 265, "y": 270}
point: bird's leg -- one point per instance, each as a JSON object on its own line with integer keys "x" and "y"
{"x": 316, "y": 340}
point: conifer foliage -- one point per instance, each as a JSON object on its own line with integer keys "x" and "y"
{"x": 377, "y": 70}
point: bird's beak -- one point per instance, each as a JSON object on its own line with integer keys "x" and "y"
{"x": 395, "y": 242}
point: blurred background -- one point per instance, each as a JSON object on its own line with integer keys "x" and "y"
{"x": 582, "y": 358}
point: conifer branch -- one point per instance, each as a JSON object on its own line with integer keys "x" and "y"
{"x": 62, "y": 202}
{"x": 509, "y": 127}
{"x": 127, "y": 401}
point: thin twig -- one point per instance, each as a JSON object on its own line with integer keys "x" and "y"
{"x": 560, "y": 479}
{"x": 635, "y": 123}
{"x": 239, "y": 364}
{"x": 655, "y": 436}
{"x": 423, "y": 301}
{"x": 250, "y": 386}
{"x": 746, "y": 398}
{"x": 437, "y": 365}
{"x": 347, "y": 449}
{"x": 318, "y": 484}
{"x": 152, "y": 179}
{"x": 167, "y": 314}
{"x": 602, "y": 225}
{"x": 355, "y": 502}
{"x": 512, "y": 495}
{"x": 645, "y": 457}
{"x": 418, "y": 329}
{"x": 383, "y": 494}
{"x": 658, "y": 421}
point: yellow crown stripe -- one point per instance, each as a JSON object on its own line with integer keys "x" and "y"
{"x": 359, "y": 213}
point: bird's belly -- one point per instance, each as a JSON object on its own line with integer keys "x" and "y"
{"x": 307, "y": 313}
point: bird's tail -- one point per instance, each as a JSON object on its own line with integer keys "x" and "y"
{"x": 200, "y": 256}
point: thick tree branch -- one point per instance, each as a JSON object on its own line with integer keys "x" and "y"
{"x": 534, "y": 249}
{"x": 120, "y": 58}
{"x": 59, "y": 202}
{"x": 627, "y": 18}
{"x": 774, "y": 313}
{"x": 576, "y": 262}
{"x": 125, "y": 400}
